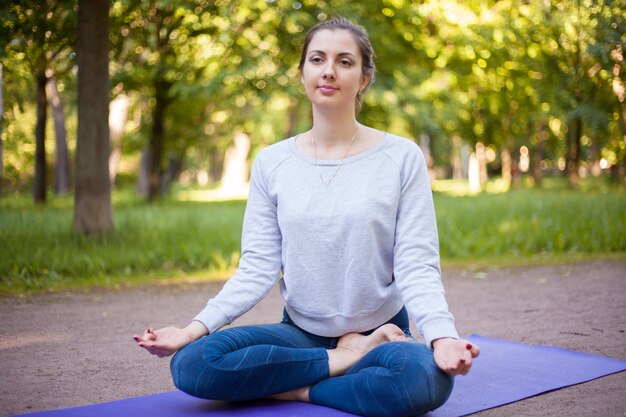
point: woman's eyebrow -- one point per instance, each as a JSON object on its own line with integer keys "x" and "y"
{"x": 317, "y": 51}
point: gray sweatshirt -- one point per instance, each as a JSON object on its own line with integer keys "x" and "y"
{"x": 350, "y": 253}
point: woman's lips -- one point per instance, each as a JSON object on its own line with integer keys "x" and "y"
{"x": 326, "y": 89}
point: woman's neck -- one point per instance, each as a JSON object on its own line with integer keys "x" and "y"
{"x": 332, "y": 129}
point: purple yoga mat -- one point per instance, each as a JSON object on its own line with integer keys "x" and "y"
{"x": 504, "y": 373}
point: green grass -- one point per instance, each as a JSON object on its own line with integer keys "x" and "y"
{"x": 170, "y": 239}
{"x": 530, "y": 222}
{"x": 176, "y": 240}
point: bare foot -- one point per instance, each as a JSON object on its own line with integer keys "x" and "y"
{"x": 353, "y": 346}
{"x": 363, "y": 344}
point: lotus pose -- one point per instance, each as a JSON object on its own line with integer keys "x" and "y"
{"x": 343, "y": 215}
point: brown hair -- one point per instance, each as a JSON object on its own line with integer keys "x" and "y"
{"x": 362, "y": 40}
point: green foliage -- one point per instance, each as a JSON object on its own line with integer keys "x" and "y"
{"x": 490, "y": 72}
{"x": 176, "y": 239}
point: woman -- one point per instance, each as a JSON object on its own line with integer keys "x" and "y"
{"x": 345, "y": 212}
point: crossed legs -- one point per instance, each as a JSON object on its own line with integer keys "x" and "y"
{"x": 381, "y": 374}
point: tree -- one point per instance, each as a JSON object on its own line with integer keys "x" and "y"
{"x": 151, "y": 36}
{"x": 608, "y": 72}
{"x": 43, "y": 32}
{"x": 1, "y": 123}
{"x": 92, "y": 199}
{"x": 62, "y": 160}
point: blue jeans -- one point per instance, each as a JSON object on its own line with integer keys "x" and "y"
{"x": 395, "y": 379}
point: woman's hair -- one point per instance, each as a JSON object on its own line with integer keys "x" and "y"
{"x": 362, "y": 40}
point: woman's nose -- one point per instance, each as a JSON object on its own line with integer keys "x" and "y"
{"x": 329, "y": 73}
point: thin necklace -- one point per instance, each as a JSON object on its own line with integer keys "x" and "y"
{"x": 319, "y": 172}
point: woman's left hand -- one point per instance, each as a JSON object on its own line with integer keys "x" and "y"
{"x": 454, "y": 356}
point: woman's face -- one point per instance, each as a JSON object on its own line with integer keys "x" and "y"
{"x": 332, "y": 73}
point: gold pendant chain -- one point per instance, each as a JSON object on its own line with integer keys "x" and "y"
{"x": 319, "y": 172}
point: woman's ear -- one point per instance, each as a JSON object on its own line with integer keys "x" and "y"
{"x": 364, "y": 82}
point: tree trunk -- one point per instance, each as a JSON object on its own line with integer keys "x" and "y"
{"x": 482, "y": 165}
{"x": 542, "y": 135}
{"x": 1, "y": 119}
{"x": 171, "y": 174}
{"x": 292, "y": 117}
{"x": 216, "y": 165}
{"x": 143, "y": 177}
{"x": 39, "y": 189}
{"x": 506, "y": 163}
{"x": 621, "y": 172}
{"x": 425, "y": 144}
{"x": 506, "y": 157}
{"x": 432, "y": 150}
{"x": 477, "y": 171}
{"x": 572, "y": 156}
{"x": 117, "y": 121}
{"x": 456, "y": 157}
{"x": 161, "y": 88}
{"x": 594, "y": 159}
{"x": 92, "y": 199}
{"x": 472, "y": 174}
{"x": 235, "y": 171}
{"x": 62, "y": 181}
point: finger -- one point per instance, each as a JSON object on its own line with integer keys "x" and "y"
{"x": 144, "y": 338}
{"x": 460, "y": 369}
{"x": 473, "y": 349}
{"x": 151, "y": 349}
{"x": 148, "y": 334}
{"x": 449, "y": 367}
{"x": 465, "y": 365}
{"x": 150, "y": 346}
{"x": 462, "y": 366}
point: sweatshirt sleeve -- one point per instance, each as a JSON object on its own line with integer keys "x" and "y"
{"x": 260, "y": 262}
{"x": 416, "y": 252}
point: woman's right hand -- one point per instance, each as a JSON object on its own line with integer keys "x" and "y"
{"x": 168, "y": 340}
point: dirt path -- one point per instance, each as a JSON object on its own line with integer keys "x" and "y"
{"x": 61, "y": 350}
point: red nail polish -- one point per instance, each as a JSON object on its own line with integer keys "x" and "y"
{"x": 462, "y": 360}
{"x": 469, "y": 346}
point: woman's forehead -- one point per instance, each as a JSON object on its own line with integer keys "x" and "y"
{"x": 337, "y": 41}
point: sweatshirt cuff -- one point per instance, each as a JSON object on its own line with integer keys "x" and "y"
{"x": 213, "y": 318}
{"x": 438, "y": 329}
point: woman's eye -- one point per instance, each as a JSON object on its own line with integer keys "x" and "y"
{"x": 345, "y": 62}
{"x": 316, "y": 59}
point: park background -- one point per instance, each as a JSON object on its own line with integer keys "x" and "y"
{"x": 518, "y": 106}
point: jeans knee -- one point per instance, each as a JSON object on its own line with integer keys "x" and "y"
{"x": 191, "y": 373}
{"x": 425, "y": 385}
{"x": 195, "y": 371}
{"x": 441, "y": 388}
{"x": 180, "y": 375}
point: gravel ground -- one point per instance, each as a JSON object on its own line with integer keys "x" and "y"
{"x": 68, "y": 349}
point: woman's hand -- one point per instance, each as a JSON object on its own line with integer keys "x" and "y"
{"x": 168, "y": 340}
{"x": 453, "y": 356}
